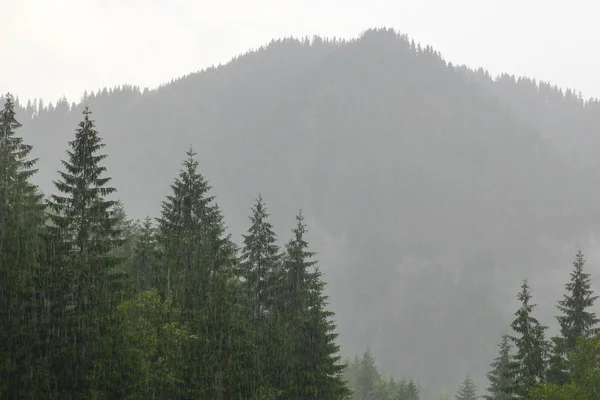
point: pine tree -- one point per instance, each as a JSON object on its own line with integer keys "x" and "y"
{"x": 325, "y": 361}
{"x": 21, "y": 220}
{"x": 260, "y": 258}
{"x": 259, "y": 262}
{"x": 467, "y": 390}
{"x": 182, "y": 234}
{"x": 412, "y": 391}
{"x": 499, "y": 377}
{"x": 198, "y": 261}
{"x": 314, "y": 364}
{"x": 574, "y": 322}
{"x": 528, "y": 365}
{"x": 82, "y": 234}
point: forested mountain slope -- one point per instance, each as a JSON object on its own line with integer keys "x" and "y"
{"x": 430, "y": 190}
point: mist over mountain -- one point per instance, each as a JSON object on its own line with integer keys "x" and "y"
{"x": 430, "y": 189}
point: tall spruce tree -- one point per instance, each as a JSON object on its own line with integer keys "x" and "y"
{"x": 316, "y": 370}
{"x": 21, "y": 220}
{"x": 499, "y": 377}
{"x": 576, "y": 320}
{"x": 528, "y": 365}
{"x": 467, "y": 390}
{"x": 198, "y": 261}
{"x": 83, "y": 232}
{"x": 260, "y": 260}
{"x": 182, "y": 233}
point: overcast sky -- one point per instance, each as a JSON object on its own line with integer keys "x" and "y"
{"x": 51, "y": 48}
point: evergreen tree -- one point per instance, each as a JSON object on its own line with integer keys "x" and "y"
{"x": 574, "y": 322}
{"x": 528, "y": 365}
{"x": 314, "y": 364}
{"x": 198, "y": 259}
{"x": 500, "y": 377}
{"x": 412, "y": 391}
{"x": 467, "y": 390}
{"x": 82, "y": 234}
{"x": 21, "y": 219}
{"x": 320, "y": 339}
{"x": 260, "y": 259}
{"x": 367, "y": 377}
{"x": 183, "y": 236}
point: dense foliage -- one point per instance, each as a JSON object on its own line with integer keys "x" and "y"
{"x": 96, "y": 306}
{"x": 537, "y": 370}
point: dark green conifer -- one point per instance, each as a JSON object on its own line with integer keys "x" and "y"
{"x": 82, "y": 234}
{"x": 183, "y": 235}
{"x": 21, "y": 220}
{"x": 315, "y": 363}
{"x": 499, "y": 377}
{"x": 528, "y": 366}
{"x": 259, "y": 262}
{"x": 576, "y": 321}
{"x": 198, "y": 262}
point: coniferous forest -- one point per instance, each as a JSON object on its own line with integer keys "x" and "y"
{"x": 439, "y": 207}
{"x": 95, "y": 306}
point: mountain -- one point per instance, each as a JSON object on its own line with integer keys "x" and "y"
{"x": 430, "y": 189}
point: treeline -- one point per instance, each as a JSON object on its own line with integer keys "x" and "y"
{"x": 529, "y": 365}
{"x": 365, "y": 381}
{"x": 564, "y": 367}
{"x": 96, "y": 306}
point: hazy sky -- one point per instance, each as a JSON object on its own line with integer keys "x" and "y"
{"x": 50, "y": 48}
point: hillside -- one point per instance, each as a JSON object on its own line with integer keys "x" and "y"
{"x": 430, "y": 189}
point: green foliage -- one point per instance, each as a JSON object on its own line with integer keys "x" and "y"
{"x": 365, "y": 382}
{"x": 315, "y": 369}
{"x": 586, "y": 366}
{"x": 259, "y": 266}
{"x": 551, "y": 391}
{"x": 528, "y": 366}
{"x": 467, "y": 390}
{"x": 584, "y": 375}
{"x": 197, "y": 270}
{"x": 145, "y": 257}
{"x": 501, "y": 382}
{"x": 575, "y": 321}
{"x": 21, "y": 220}
{"x": 84, "y": 285}
{"x": 144, "y": 353}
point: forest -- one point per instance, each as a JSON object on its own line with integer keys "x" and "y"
{"x": 97, "y": 306}
{"x": 399, "y": 161}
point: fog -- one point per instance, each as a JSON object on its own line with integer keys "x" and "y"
{"x": 430, "y": 189}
